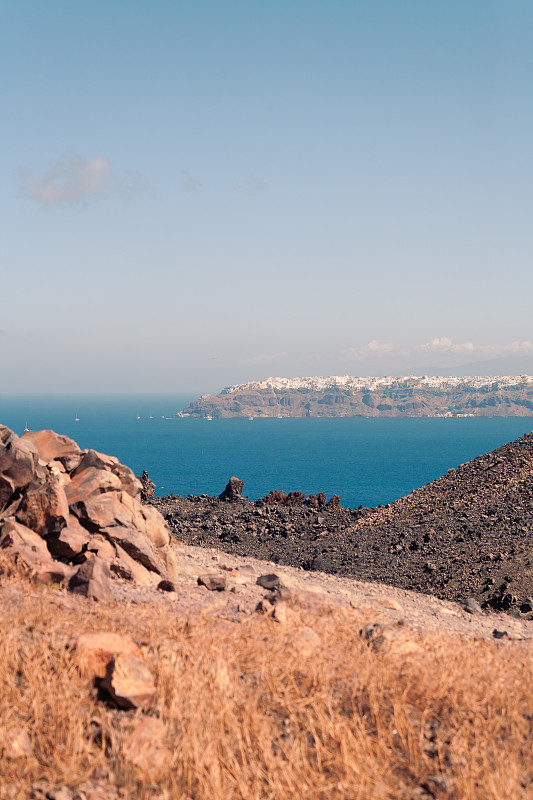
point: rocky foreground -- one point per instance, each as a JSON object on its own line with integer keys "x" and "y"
{"x": 467, "y": 534}
{"x": 202, "y": 674}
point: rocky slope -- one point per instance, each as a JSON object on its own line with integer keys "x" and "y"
{"x": 466, "y": 534}
{"x": 74, "y": 517}
{"x": 369, "y": 397}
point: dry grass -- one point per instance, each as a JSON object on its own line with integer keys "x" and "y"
{"x": 249, "y": 714}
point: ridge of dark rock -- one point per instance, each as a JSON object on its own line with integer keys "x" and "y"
{"x": 466, "y": 534}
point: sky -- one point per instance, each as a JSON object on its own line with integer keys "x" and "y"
{"x": 197, "y": 194}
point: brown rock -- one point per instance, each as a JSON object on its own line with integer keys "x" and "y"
{"x": 214, "y": 581}
{"x": 90, "y": 481}
{"x": 100, "y": 461}
{"x": 18, "y": 460}
{"x": 129, "y": 682}
{"x": 44, "y": 506}
{"x": 69, "y": 542}
{"x": 103, "y": 548}
{"x": 233, "y": 489}
{"x": 334, "y": 502}
{"x": 54, "y": 447}
{"x": 145, "y": 748}
{"x": 124, "y": 566}
{"x": 92, "y": 580}
{"x": 29, "y": 549}
{"x": 94, "y": 652}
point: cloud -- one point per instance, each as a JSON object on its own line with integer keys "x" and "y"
{"x": 74, "y": 180}
{"x": 190, "y": 184}
{"x": 442, "y": 349}
{"x": 251, "y": 188}
{"x": 265, "y": 358}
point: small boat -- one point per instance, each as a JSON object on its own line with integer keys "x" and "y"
{"x": 209, "y": 417}
{"x": 26, "y": 429}
{"x": 76, "y": 418}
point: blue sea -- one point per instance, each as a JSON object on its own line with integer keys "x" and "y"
{"x": 365, "y": 461}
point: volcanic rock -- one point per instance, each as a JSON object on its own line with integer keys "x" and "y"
{"x": 62, "y": 508}
{"x": 467, "y": 534}
{"x": 148, "y": 486}
{"x": 233, "y": 489}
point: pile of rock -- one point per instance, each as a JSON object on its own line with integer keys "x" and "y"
{"x": 74, "y": 516}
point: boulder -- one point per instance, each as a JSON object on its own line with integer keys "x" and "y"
{"x": 233, "y": 489}
{"x": 53, "y": 446}
{"x": 91, "y": 481}
{"x": 94, "y": 652}
{"x": 126, "y": 567}
{"x": 18, "y": 460}
{"x": 44, "y": 506}
{"x": 92, "y": 579}
{"x": 30, "y": 550}
{"x": 129, "y": 682}
{"x": 214, "y": 581}
{"x": 70, "y": 542}
{"x": 100, "y": 461}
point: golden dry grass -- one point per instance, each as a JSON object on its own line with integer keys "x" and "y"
{"x": 251, "y": 714}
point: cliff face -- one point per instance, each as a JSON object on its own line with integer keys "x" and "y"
{"x": 368, "y": 397}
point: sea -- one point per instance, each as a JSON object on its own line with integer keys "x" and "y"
{"x": 365, "y": 461}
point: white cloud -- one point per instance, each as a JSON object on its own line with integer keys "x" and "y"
{"x": 75, "y": 179}
{"x": 441, "y": 349}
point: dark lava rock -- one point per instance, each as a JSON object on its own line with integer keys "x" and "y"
{"x": 233, "y": 489}
{"x": 270, "y": 582}
{"x": 467, "y": 534}
{"x": 148, "y": 485}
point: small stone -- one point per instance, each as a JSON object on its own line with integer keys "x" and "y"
{"x": 167, "y": 586}
{"x": 270, "y": 581}
{"x": 471, "y": 606}
{"x": 500, "y": 634}
{"x": 129, "y": 682}
{"x": 214, "y": 581}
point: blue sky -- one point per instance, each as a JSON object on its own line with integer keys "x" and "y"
{"x": 201, "y": 193}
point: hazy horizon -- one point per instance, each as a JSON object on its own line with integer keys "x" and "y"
{"x": 198, "y": 195}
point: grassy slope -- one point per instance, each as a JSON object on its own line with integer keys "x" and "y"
{"x": 249, "y": 713}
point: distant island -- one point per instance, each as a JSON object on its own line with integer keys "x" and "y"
{"x": 346, "y": 396}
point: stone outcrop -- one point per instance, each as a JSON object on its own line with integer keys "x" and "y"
{"x": 148, "y": 486}
{"x": 233, "y": 489}
{"x": 74, "y": 516}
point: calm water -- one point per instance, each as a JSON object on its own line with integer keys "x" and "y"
{"x": 365, "y": 461}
